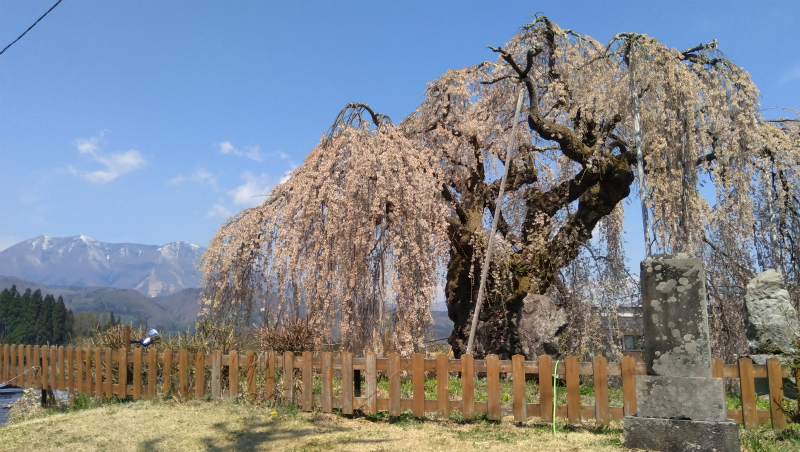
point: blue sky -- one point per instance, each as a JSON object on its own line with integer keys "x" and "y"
{"x": 152, "y": 121}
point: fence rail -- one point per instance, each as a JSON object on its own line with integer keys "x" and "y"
{"x": 149, "y": 373}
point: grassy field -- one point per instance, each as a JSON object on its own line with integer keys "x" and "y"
{"x": 225, "y": 426}
{"x": 169, "y": 425}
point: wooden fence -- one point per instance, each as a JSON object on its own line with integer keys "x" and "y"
{"x": 96, "y": 372}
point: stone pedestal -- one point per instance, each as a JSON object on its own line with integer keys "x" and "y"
{"x": 681, "y": 435}
{"x": 680, "y": 406}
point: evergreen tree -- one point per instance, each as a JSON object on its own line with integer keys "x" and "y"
{"x": 6, "y": 299}
{"x": 59, "y": 321}
{"x": 32, "y": 319}
{"x": 44, "y": 322}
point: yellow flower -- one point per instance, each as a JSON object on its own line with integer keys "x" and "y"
{"x": 273, "y": 412}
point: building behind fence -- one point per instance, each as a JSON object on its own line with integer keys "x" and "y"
{"x": 149, "y": 373}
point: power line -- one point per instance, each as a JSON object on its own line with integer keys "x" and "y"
{"x": 29, "y": 28}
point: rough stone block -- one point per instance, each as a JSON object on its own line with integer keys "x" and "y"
{"x": 672, "y": 435}
{"x": 676, "y": 341}
{"x": 698, "y": 399}
{"x": 540, "y": 324}
{"x": 770, "y": 319}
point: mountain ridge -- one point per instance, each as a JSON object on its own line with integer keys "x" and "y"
{"x": 80, "y": 260}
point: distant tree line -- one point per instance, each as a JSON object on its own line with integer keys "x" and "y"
{"x": 29, "y": 318}
{"x": 87, "y": 322}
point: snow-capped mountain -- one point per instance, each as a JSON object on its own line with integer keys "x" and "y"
{"x": 82, "y": 261}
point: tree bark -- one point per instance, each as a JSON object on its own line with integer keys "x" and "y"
{"x": 611, "y": 179}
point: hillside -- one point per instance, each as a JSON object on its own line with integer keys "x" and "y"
{"x": 170, "y": 313}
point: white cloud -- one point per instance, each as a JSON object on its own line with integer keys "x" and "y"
{"x": 252, "y": 192}
{"x": 253, "y": 153}
{"x": 116, "y": 164}
{"x": 201, "y": 176}
{"x": 218, "y": 211}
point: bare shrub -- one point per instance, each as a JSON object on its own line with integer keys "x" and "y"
{"x": 294, "y": 335}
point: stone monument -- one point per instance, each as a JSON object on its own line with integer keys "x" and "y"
{"x": 770, "y": 324}
{"x": 680, "y": 406}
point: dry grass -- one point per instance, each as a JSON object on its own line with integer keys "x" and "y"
{"x": 225, "y": 426}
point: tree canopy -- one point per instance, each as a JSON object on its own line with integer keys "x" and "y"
{"x": 361, "y": 232}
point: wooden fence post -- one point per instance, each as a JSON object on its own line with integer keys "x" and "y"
{"x": 394, "y": 384}
{"x": 62, "y": 381}
{"x": 166, "y": 378}
{"x": 78, "y": 370}
{"x": 70, "y": 369}
{"x": 45, "y": 368}
{"x": 137, "y": 373}
{"x": 251, "y": 374}
{"x": 443, "y": 386}
{"x": 20, "y": 365}
{"x": 493, "y": 387}
{"x": 152, "y": 372}
{"x": 12, "y": 362}
{"x": 467, "y": 386}
{"x": 776, "y": 393}
{"x": 31, "y": 365}
{"x": 109, "y": 383}
{"x": 233, "y": 374}
{"x": 418, "y": 381}
{"x": 371, "y": 383}
{"x": 628, "y": 371}
{"x": 22, "y": 368}
{"x": 53, "y": 367}
{"x": 98, "y": 372}
{"x": 20, "y": 381}
{"x": 573, "y": 390}
{"x": 546, "y": 388}
{"x": 4, "y": 364}
{"x": 183, "y": 373}
{"x": 347, "y": 383}
{"x": 600, "y": 370}
{"x": 747, "y": 384}
{"x": 308, "y": 386}
{"x": 122, "y": 373}
{"x": 216, "y": 374}
{"x": 288, "y": 376}
{"x": 82, "y": 367}
{"x": 200, "y": 374}
{"x": 520, "y": 401}
{"x": 37, "y": 376}
{"x": 24, "y": 365}
{"x": 269, "y": 376}
{"x": 327, "y": 383}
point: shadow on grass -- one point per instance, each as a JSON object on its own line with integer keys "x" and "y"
{"x": 273, "y": 434}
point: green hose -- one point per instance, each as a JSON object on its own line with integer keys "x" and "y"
{"x": 555, "y": 396}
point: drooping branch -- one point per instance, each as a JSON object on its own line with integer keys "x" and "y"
{"x": 353, "y": 115}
